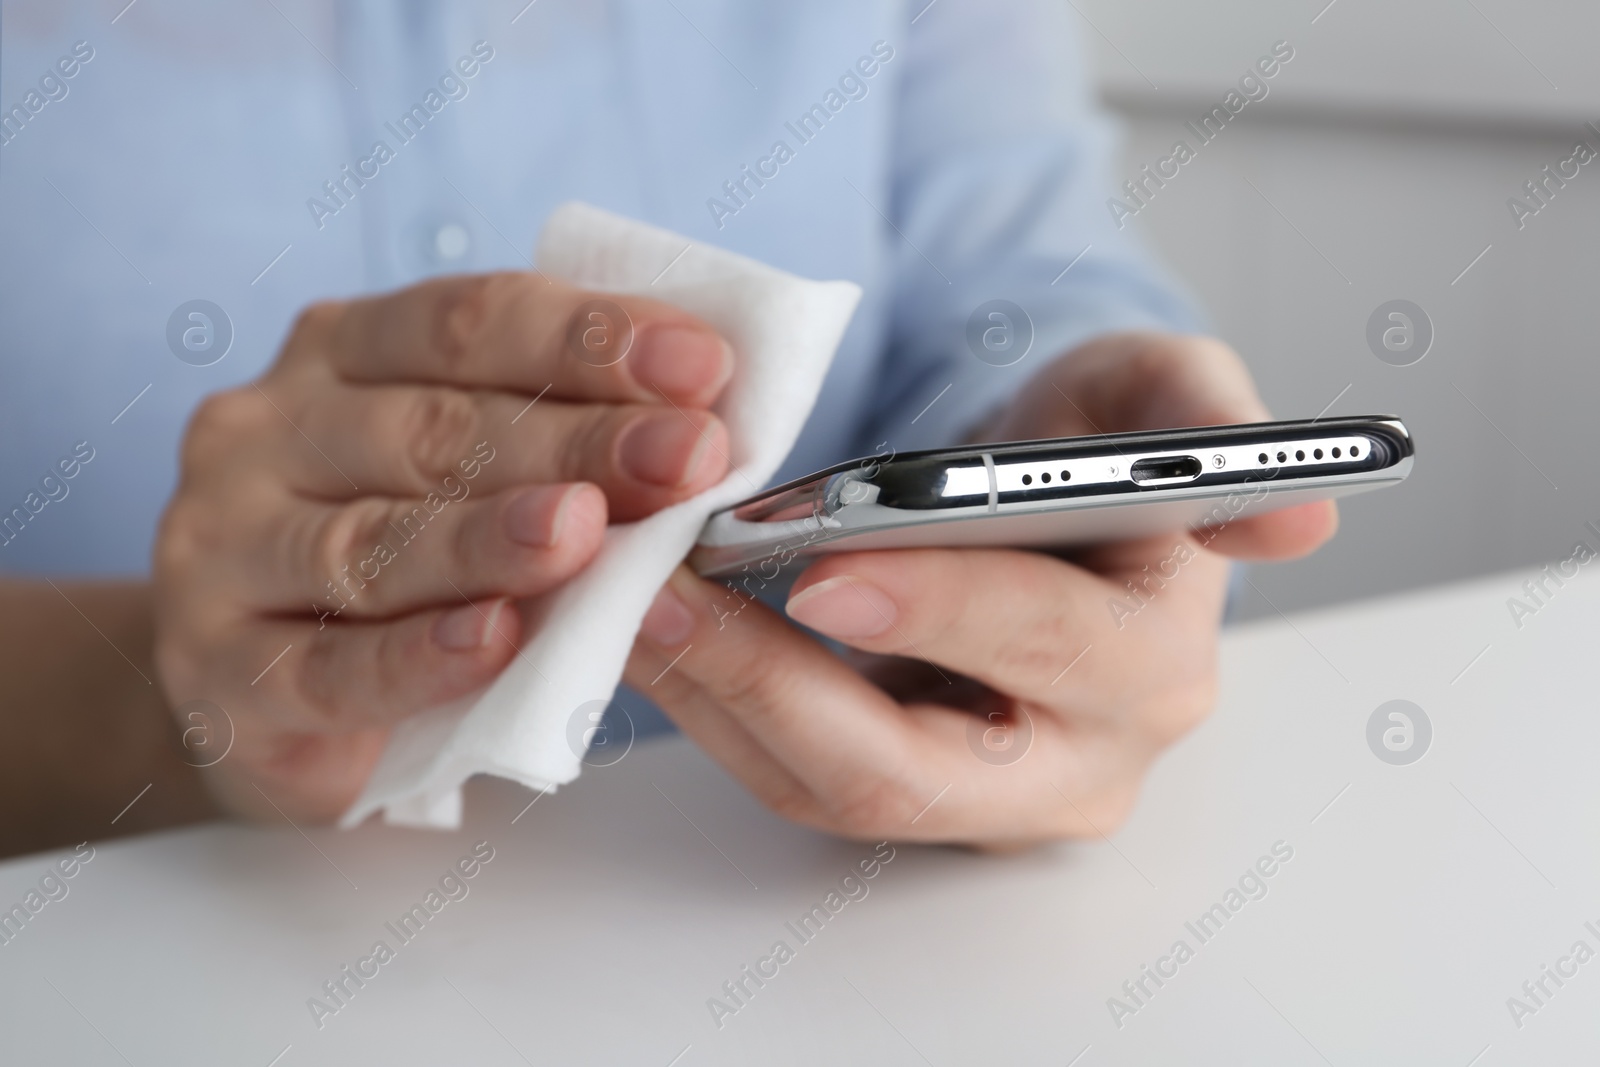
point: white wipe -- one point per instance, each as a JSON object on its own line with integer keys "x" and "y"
{"x": 784, "y": 331}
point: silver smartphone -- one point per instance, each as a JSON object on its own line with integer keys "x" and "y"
{"x": 1056, "y": 493}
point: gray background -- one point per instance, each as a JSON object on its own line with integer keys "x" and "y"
{"x": 1391, "y": 141}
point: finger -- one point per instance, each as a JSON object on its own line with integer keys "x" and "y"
{"x": 710, "y": 726}
{"x": 872, "y": 768}
{"x": 379, "y": 557}
{"x": 522, "y": 331}
{"x": 1288, "y": 533}
{"x": 1137, "y": 381}
{"x": 1157, "y": 381}
{"x": 310, "y": 777}
{"x": 823, "y": 747}
{"x": 1019, "y": 621}
{"x": 843, "y": 739}
{"x": 349, "y": 676}
{"x": 409, "y": 440}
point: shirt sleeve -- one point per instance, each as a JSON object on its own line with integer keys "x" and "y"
{"x": 998, "y": 190}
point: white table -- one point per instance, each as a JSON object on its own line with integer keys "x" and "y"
{"x": 1418, "y": 899}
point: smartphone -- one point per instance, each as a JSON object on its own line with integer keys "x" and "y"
{"x": 1057, "y": 493}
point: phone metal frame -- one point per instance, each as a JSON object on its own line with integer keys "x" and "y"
{"x": 1056, "y": 493}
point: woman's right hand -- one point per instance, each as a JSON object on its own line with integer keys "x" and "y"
{"x": 349, "y": 531}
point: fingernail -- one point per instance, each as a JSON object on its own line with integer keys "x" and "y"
{"x": 662, "y": 449}
{"x": 681, "y": 361}
{"x": 467, "y": 628}
{"x": 534, "y": 516}
{"x": 668, "y": 622}
{"x": 844, "y": 607}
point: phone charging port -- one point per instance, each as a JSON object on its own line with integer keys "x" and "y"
{"x": 1166, "y": 469}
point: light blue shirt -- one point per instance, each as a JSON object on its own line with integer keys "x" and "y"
{"x": 941, "y": 157}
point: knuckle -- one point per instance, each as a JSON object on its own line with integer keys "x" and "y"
{"x": 218, "y": 420}
{"x": 465, "y": 313}
{"x": 189, "y": 531}
{"x": 344, "y": 533}
{"x": 466, "y": 537}
{"x": 393, "y": 649}
{"x": 760, "y": 692}
{"x": 437, "y": 428}
{"x": 323, "y": 685}
{"x": 314, "y": 324}
{"x": 315, "y": 678}
{"x": 877, "y": 806}
{"x": 587, "y": 445}
{"x": 460, "y": 314}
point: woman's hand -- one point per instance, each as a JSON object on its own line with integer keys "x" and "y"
{"x": 349, "y": 531}
{"x": 997, "y": 697}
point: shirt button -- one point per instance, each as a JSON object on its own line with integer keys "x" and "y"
{"x": 451, "y": 242}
